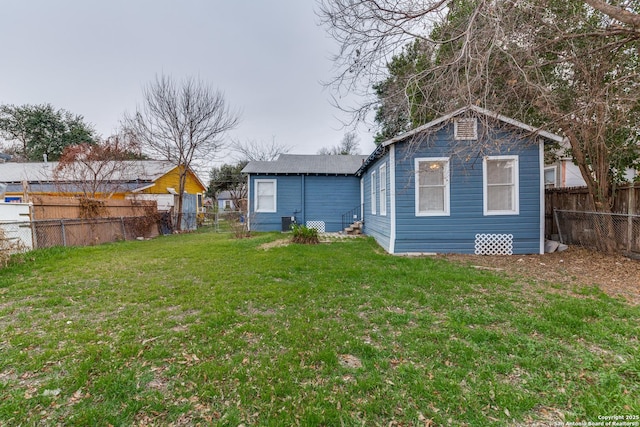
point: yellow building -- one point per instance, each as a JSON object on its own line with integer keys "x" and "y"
{"x": 133, "y": 179}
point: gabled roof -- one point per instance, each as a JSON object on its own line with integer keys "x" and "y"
{"x": 472, "y": 108}
{"x": 307, "y": 164}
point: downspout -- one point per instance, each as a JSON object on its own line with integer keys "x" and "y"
{"x": 304, "y": 201}
{"x": 362, "y": 198}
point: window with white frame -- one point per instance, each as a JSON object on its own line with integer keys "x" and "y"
{"x": 432, "y": 186}
{"x": 265, "y": 195}
{"x": 501, "y": 186}
{"x": 383, "y": 189}
{"x": 550, "y": 176}
{"x": 373, "y": 193}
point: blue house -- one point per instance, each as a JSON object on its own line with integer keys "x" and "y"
{"x": 468, "y": 182}
{"x": 315, "y": 190}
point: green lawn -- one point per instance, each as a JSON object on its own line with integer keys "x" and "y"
{"x": 203, "y": 328}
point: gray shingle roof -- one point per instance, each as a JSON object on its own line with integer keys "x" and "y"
{"x": 308, "y": 164}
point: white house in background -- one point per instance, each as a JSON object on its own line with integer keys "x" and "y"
{"x": 565, "y": 173}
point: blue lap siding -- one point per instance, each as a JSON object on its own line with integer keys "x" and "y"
{"x": 307, "y": 198}
{"x": 456, "y": 232}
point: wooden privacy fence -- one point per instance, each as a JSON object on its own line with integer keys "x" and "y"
{"x": 52, "y": 207}
{"x": 69, "y": 221}
{"x": 570, "y": 217}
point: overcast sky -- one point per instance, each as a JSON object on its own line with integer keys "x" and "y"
{"x": 94, "y": 57}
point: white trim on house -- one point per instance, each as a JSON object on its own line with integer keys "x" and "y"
{"x": 515, "y": 194}
{"x": 361, "y": 198}
{"x": 392, "y": 200}
{"x": 274, "y": 196}
{"x": 542, "y": 198}
{"x": 248, "y": 216}
{"x": 382, "y": 172}
{"x": 374, "y": 177}
{"x": 446, "y": 186}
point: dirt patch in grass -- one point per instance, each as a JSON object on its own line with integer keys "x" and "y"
{"x": 616, "y": 275}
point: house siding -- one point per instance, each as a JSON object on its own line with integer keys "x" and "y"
{"x": 172, "y": 180}
{"x": 456, "y": 232}
{"x": 307, "y": 198}
{"x": 376, "y": 225}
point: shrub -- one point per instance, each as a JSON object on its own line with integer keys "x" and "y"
{"x": 304, "y": 235}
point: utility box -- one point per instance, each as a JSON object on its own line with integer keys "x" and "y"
{"x": 287, "y": 221}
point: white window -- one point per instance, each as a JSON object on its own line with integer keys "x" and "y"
{"x": 500, "y": 175}
{"x": 432, "y": 186}
{"x": 373, "y": 193}
{"x": 383, "y": 189}
{"x": 227, "y": 204}
{"x": 265, "y": 195}
{"x": 550, "y": 176}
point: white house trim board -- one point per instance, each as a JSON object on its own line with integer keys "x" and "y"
{"x": 392, "y": 199}
{"x": 374, "y": 176}
{"x": 515, "y": 195}
{"x": 248, "y": 218}
{"x": 446, "y": 186}
{"x": 382, "y": 189}
{"x": 483, "y": 111}
{"x": 542, "y": 188}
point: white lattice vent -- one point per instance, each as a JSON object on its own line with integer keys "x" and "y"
{"x": 318, "y": 225}
{"x": 494, "y": 244}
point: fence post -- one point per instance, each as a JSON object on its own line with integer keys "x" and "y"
{"x": 555, "y": 218}
{"x": 64, "y": 234}
{"x": 124, "y": 230}
{"x": 630, "y": 212}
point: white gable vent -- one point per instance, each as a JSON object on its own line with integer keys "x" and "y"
{"x": 465, "y": 129}
{"x": 494, "y": 244}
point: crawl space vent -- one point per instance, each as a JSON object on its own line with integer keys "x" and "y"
{"x": 494, "y": 244}
{"x": 318, "y": 225}
{"x": 465, "y": 129}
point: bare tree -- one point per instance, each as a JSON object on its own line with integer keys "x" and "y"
{"x": 568, "y": 66}
{"x": 348, "y": 146}
{"x": 182, "y": 122}
{"x": 98, "y": 170}
{"x": 253, "y": 150}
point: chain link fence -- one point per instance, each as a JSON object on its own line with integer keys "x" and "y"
{"x": 77, "y": 232}
{"x": 606, "y": 232}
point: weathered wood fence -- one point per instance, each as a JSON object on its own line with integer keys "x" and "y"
{"x": 69, "y": 221}
{"x": 627, "y": 201}
{"x": 570, "y": 216}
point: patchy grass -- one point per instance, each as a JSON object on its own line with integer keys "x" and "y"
{"x": 202, "y": 328}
